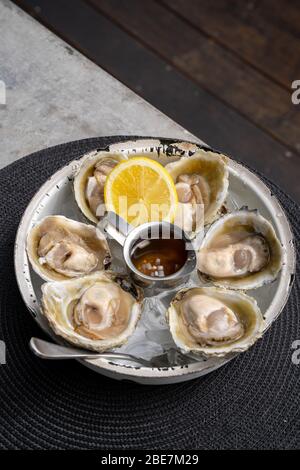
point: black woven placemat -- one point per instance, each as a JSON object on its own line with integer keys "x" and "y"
{"x": 252, "y": 402}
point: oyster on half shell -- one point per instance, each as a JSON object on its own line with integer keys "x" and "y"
{"x": 97, "y": 312}
{"x": 90, "y": 180}
{"x": 214, "y": 321}
{"x": 240, "y": 251}
{"x": 201, "y": 182}
{"x": 60, "y": 248}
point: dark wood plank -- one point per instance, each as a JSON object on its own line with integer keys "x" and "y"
{"x": 264, "y": 33}
{"x": 213, "y": 67}
{"x": 180, "y": 98}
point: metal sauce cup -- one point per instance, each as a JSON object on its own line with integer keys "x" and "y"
{"x": 129, "y": 237}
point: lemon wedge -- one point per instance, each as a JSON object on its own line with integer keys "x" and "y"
{"x": 141, "y": 190}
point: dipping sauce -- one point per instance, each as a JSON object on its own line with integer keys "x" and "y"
{"x": 159, "y": 257}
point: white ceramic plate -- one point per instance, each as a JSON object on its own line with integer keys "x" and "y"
{"x": 152, "y": 336}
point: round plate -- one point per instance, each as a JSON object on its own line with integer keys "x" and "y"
{"x": 152, "y": 337}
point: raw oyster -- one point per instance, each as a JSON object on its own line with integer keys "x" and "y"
{"x": 60, "y": 248}
{"x": 98, "y": 311}
{"x": 214, "y": 321}
{"x": 240, "y": 251}
{"x": 202, "y": 184}
{"x": 90, "y": 180}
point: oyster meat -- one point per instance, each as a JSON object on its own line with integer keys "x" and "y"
{"x": 202, "y": 184}
{"x": 60, "y": 248}
{"x": 90, "y": 180}
{"x": 214, "y": 321}
{"x": 240, "y": 251}
{"x": 98, "y": 311}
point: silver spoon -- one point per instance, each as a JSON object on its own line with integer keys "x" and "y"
{"x": 47, "y": 350}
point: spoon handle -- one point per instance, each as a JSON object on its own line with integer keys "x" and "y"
{"x": 47, "y": 350}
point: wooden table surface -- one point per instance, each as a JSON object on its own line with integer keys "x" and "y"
{"x": 55, "y": 95}
{"x": 222, "y": 69}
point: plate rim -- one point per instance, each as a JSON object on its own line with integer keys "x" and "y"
{"x": 156, "y": 144}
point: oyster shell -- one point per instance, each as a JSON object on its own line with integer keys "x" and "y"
{"x": 60, "y": 248}
{"x": 240, "y": 251}
{"x": 202, "y": 184}
{"x": 89, "y": 182}
{"x": 97, "y": 312}
{"x": 214, "y": 321}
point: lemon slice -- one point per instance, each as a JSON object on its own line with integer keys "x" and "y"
{"x": 140, "y": 190}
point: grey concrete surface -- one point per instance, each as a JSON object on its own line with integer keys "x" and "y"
{"x": 56, "y": 95}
